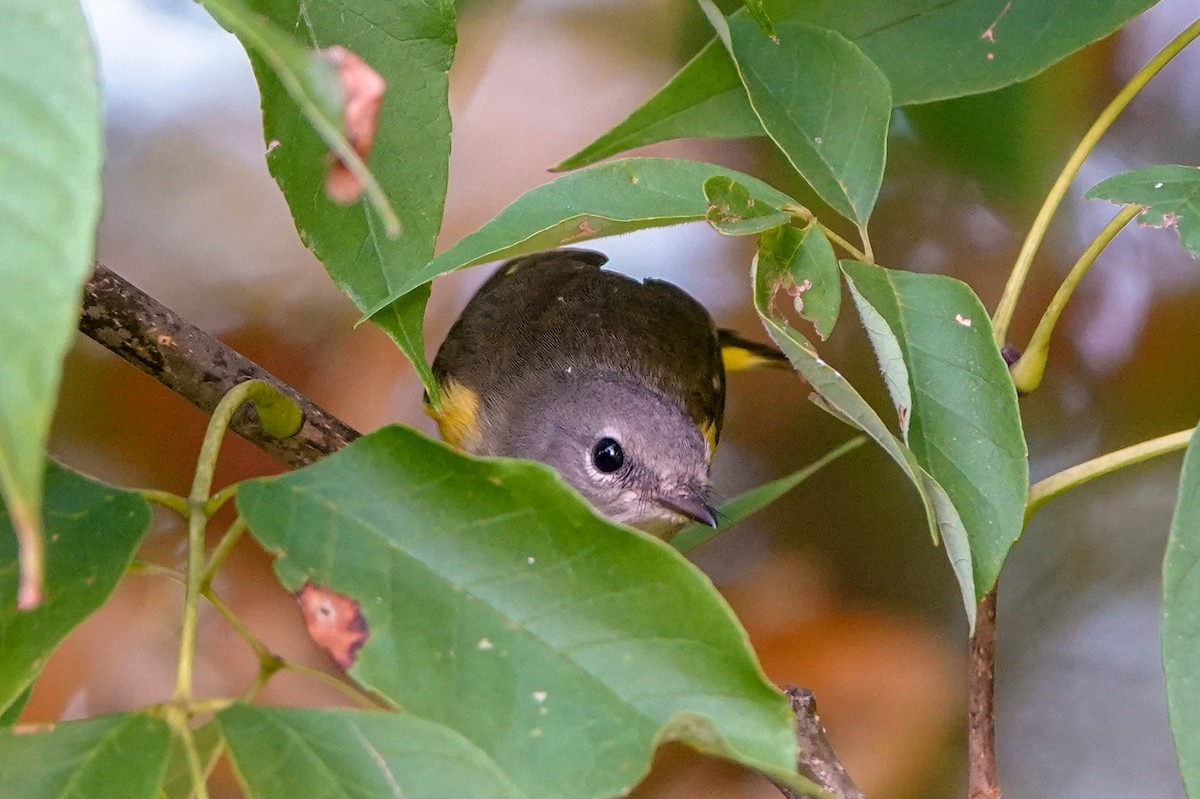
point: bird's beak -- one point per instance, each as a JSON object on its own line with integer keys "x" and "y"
{"x": 690, "y": 503}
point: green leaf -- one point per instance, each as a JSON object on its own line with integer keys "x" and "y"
{"x": 1169, "y": 195}
{"x": 706, "y": 98}
{"x": 496, "y": 603}
{"x": 92, "y": 531}
{"x": 177, "y": 777}
{"x": 927, "y": 49}
{"x": 312, "y": 82}
{"x": 410, "y": 43}
{"x": 51, "y": 147}
{"x": 835, "y": 394}
{"x": 758, "y": 12}
{"x": 119, "y": 755}
{"x": 823, "y": 102}
{"x": 741, "y": 507}
{"x": 733, "y": 212}
{"x": 13, "y": 712}
{"x": 284, "y": 753}
{"x": 815, "y": 282}
{"x": 1181, "y": 620}
{"x": 955, "y": 400}
{"x": 616, "y": 197}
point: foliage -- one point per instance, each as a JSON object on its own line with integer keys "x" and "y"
{"x": 440, "y": 566}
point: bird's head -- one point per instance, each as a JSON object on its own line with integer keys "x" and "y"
{"x": 635, "y": 455}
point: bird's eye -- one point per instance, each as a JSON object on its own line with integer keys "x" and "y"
{"x": 608, "y": 455}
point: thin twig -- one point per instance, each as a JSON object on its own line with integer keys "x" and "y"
{"x": 815, "y": 758}
{"x": 981, "y": 716}
{"x": 198, "y": 367}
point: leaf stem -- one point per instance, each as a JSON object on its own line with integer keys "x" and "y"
{"x": 218, "y": 500}
{"x": 280, "y": 417}
{"x": 868, "y": 253}
{"x": 1067, "y": 479}
{"x": 222, "y": 550}
{"x": 802, "y": 214}
{"x": 1027, "y": 372}
{"x": 165, "y": 498}
{"x": 1016, "y": 280}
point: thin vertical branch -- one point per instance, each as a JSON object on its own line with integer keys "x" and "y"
{"x": 981, "y": 730}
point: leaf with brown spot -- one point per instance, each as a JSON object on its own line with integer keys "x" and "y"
{"x": 334, "y": 622}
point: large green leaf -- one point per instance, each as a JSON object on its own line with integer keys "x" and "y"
{"x": 286, "y": 753}
{"x": 92, "y": 531}
{"x": 935, "y": 49}
{"x": 122, "y": 755}
{"x": 928, "y": 50}
{"x": 1181, "y": 620}
{"x": 835, "y": 394}
{"x": 1169, "y": 195}
{"x": 51, "y": 146}
{"x": 496, "y": 603}
{"x": 410, "y": 43}
{"x": 617, "y": 197}
{"x": 799, "y": 86}
{"x": 955, "y": 400}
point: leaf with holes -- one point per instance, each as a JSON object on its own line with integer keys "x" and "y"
{"x": 1168, "y": 194}
{"x": 494, "y": 602}
{"x": 814, "y": 281}
{"x": 733, "y": 212}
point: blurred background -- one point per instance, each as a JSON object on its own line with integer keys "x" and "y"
{"x": 837, "y": 583}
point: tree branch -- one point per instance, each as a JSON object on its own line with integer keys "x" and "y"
{"x": 124, "y": 319}
{"x": 815, "y": 758}
{"x": 981, "y": 719}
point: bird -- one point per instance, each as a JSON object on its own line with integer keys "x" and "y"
{"x": 616, "y": 383}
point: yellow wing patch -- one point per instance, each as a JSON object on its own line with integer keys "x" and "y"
{"x": 458, "y": 420}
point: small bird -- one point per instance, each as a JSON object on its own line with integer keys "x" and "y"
{"x": 618, "y": 384}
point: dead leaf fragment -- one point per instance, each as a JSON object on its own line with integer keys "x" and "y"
{"x": 334, "y": 622}
{"x": 362, "y": 95}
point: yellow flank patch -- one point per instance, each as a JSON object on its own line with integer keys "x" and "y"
{"x": 709, "y": 431}
{"x": 458, "y": 421}
{"x": 738, "y": 359}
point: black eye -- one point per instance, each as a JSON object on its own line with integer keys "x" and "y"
{"x": 608, "y": 455}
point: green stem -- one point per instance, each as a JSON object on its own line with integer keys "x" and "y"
{"x": 1027, "y": 372}
{"x": 280, "y": 417}
{"x": 222, "y": 550}
{"x": 802, "y": 214}
{"x": 1008, "y": 300}
{"x": 218, "y": 500}
{"x": 165, "y": 498}
{"x": 349, "y": 690}
{"x": 868, "y": 253}
{"x": 1067, "y": 479}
